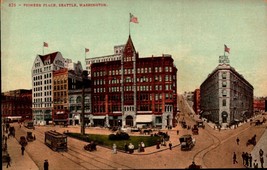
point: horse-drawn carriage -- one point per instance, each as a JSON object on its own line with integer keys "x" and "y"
{"x": 183, "y": 124}
{"x": 252, "y": 141}
{"x": 11, "y": 131}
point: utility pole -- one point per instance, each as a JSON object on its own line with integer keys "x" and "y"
{"x": 82, "y": 113}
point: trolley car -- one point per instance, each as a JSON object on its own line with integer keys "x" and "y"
{"x": 56, "y": 141}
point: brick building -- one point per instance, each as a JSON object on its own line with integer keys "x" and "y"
{"x": 17, "y": 104}
{"x": 259, "y": 104}
{"x": 60, "y": 96}
{"x": 134, "y": 91}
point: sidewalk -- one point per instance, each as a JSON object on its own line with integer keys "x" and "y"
{"x": 261, "y": 144}
{"x": 18, "y": 161}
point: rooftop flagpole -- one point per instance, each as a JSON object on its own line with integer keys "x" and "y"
{"x": 130, "y": 25}
{"x": 132, "y": 19}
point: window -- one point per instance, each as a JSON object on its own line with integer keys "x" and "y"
{"x": 224, "y": 92}
{"x": 224, "y": 75}
{"x": 224, "y": 102}
{"x": 166, "y": 69}
{"x": 224, "y": 83}
{"x": 158, "y": 120}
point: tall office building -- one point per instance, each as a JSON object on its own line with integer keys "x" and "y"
{"x": 42, "y": 91}
{"x": 226, "y": 96}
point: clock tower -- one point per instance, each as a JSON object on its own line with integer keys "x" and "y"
{"x": 128, "y": 84}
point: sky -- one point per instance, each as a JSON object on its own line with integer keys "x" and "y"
{"x": 193, "y": 32}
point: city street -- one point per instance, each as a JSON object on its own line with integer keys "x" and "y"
{"x": 214, "y": 149}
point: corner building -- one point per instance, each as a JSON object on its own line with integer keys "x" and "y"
{"x": 226, "y": 96}
{"x": 133, "y": 91}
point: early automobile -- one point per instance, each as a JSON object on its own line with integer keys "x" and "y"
{"x": 29, "y": 137}
{"x": 187, "y": 142}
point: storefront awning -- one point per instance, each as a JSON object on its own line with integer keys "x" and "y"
{"x": 99, "y": 117}
{"x": 143, "y": 118}
{"x": 14, "y": 117}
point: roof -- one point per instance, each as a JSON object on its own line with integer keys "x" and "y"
{"x": 50, "y": 57}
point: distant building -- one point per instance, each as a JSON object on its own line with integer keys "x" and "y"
{"x": 259, "y": 104}
{"x": 196, "y": 105}
{"x": 190, "y": 98}
{"x": 132, "y": 91}
{"x": 42, "y": 91}
{"x": 118, "y": 50}
{"x": 226, "y": 96}
{"x": 16, "y": 104}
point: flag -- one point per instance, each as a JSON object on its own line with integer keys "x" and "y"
{"x": 133, "y": 19}
{"x": 45, "y": 44}
{"x": 86, "y": 50}
{"x": 226, "y": 49}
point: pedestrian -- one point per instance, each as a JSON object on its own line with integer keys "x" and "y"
{"x": 8, "y": 161}
{"x": 131, "y": 148}
{"x": 142, "y": 147}
{"x": 158, "y": 145}
{"x": 255, "y": 164}
{"x": 243, "y": 157}
{"x": 22, "y": 149}
{"x": 237, "y": 141}
{"x": 114, "y": 148}
{"x": 250, "y": 160}
{"x": 246, "y": 159}
{"x": 261, "y": 161}
{"x": 177, "y": 132}
{"x": 46, "y": 164}
{"x": 170, "y": 145}
{"x": 234, "y": 158}
{"x": 126, "y": 147}
{"x": 34, "y": 138}
{"x": 261, "y": 152}
{"x": 5, "y": 139}
{"x": 139, "y": 148}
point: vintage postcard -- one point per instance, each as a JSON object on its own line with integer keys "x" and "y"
{"x": 122, "y": 84}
